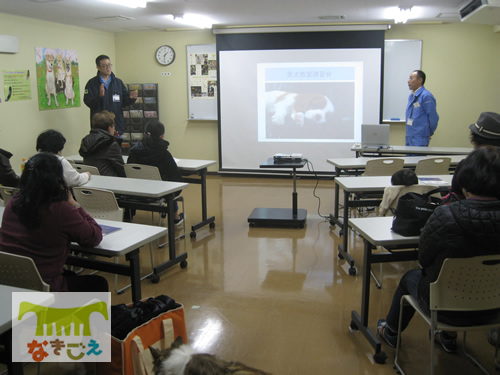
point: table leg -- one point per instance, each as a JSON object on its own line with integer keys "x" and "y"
{"x": 204, "y": 215}
{"x": 344, "y": 232}
{"x": 173, "y": 258}
{"x": 135, "y": 274}
{"x": 361, "y": 322}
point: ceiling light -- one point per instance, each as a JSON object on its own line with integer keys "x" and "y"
{"x": 195, "y": 20}
{"x": 130, "y": 3}
{"x": 402, "y": 14}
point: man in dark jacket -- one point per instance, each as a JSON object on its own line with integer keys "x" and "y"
{"x": 100, "y": 148}
{"x": 107, "y": 92}
{"x": 462, "y": 229}
{"x": 7, "y": 175}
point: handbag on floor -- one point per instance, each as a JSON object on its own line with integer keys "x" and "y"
{"x": 130, "y": 354}
{"x": 413, "y": 210}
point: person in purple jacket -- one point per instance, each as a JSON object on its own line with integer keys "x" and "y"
{"x": 42, "y": 219}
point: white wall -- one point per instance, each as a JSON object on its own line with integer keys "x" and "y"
{"x": 462, "y": 62}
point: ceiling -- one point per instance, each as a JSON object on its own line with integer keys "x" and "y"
{"x": 93, "y": 13}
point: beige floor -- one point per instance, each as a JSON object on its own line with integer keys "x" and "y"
{"x": 280, "y": 299}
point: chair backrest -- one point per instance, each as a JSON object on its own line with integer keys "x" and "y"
{"x": 86, "y": 168}
{"x": 99, "y": 203}
{"x": 402, "y": 190}
{"x": 20, "y": 271}
{"x": 146, "y": 172}
{"x": 467, "y": 284}
{"x": 6, "y": 193}
{"x": 433, "y": 166}
{"x": 383, "y": 166}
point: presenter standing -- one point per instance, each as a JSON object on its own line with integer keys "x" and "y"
{"x": 107, "y": 92}
{"x": 421, "y": 116}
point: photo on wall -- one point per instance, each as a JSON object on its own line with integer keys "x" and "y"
{"x": 58, "y": 79}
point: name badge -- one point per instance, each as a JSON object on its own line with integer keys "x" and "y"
{"x": 409, "y": 122}
{"x": 116, "y": 98}
{"x": 416, "y": 105}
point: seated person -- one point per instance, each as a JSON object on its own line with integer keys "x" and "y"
{"x": 42, "y": 219}
{"x": 100, "y": 148}
{"x": 7, "y": 175}
{"x": 462, "y": 229}
{"x": 401, "y": 178}
{"x": 53, "y": 141}
{"x": 486, "y": 131}
{"x": 153, "y": 150}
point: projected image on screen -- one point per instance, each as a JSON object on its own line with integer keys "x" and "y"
{"x": 307, "y": 101}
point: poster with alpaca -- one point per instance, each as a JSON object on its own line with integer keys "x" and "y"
{"x": 58, "y": 79}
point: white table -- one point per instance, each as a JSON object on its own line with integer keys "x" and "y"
{"x": 372, "y": 184}
{"x": 15, "y": 368}
{"x": 395, "y": 150}
{"x": 376, "y": 231}
{"x": 343, "y": 166}
{"x": 188, "y": 167}
{"x": 126, "y": 241}
{"x": 355, "y": 166}
{"x": 145, "y": 195}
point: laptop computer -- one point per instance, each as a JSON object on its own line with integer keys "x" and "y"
{"x": 375, "y": 136}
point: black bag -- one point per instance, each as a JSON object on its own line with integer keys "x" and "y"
{"x": 413, "y": 211}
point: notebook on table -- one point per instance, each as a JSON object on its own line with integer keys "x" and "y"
{"x": 375, "y": 136}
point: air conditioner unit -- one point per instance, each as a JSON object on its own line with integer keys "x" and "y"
{"x": 481, "y": 11}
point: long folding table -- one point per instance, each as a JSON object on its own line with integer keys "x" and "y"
{"x": 376, "y": 231}
{"x": 147, "y": 195}
{"x": 188, "y": 167}
{"x": 126, "y": 241}
{"x": 372, "y": 184}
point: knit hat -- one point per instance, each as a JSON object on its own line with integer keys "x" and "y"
{"x": 487, "y": 125}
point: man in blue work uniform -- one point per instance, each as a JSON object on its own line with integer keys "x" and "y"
{"x": 421, "y": 116}
{"x": 107, "y": 92}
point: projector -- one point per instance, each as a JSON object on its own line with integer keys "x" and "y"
{"x": 287, "y": 157}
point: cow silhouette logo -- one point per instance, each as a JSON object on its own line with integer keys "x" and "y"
{"x": 61, "y": 327}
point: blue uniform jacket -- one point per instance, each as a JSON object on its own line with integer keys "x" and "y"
{"x": 422, "y": 110}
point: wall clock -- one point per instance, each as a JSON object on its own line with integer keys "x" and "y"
{"x": 165, "y": 55}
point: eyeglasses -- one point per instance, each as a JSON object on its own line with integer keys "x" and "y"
{"x": 105, "y": 66}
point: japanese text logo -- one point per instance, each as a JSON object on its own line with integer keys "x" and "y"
{"x": 61, "y": 327}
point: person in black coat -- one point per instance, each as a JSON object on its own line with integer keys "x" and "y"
{"x": 465, "y": 228}
{"x": 100, "y": 148}
{"x": 7, "y": 175}
{"x": 153, "y": 150}
{"x": 105, "y": 91}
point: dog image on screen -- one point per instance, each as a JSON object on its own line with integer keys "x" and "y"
{"x": 50, "y": 79}
{"x": 180, "y": 359}
{"x": 69, "y": 92}
{"x": 301, "y": 109}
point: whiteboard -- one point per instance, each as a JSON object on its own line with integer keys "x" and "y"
{"x": 401, "y": 57}
{"x": 202, "y": 82}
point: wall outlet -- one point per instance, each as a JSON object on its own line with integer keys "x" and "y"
{"x": 166, "y": 73}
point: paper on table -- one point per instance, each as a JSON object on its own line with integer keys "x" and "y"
{"x": 431, "y": 181}
{"x": 107, "y": 229}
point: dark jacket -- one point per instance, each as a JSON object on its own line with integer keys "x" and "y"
{"x": 96, "y": 103}
{"x": 100, "y": 149}
{"x": 157, "y": 155}
{"x": 463, "y": 229}
{"x": 7, "y": 175}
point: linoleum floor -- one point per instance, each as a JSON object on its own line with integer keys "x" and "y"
{"x": 280, "y": 299}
